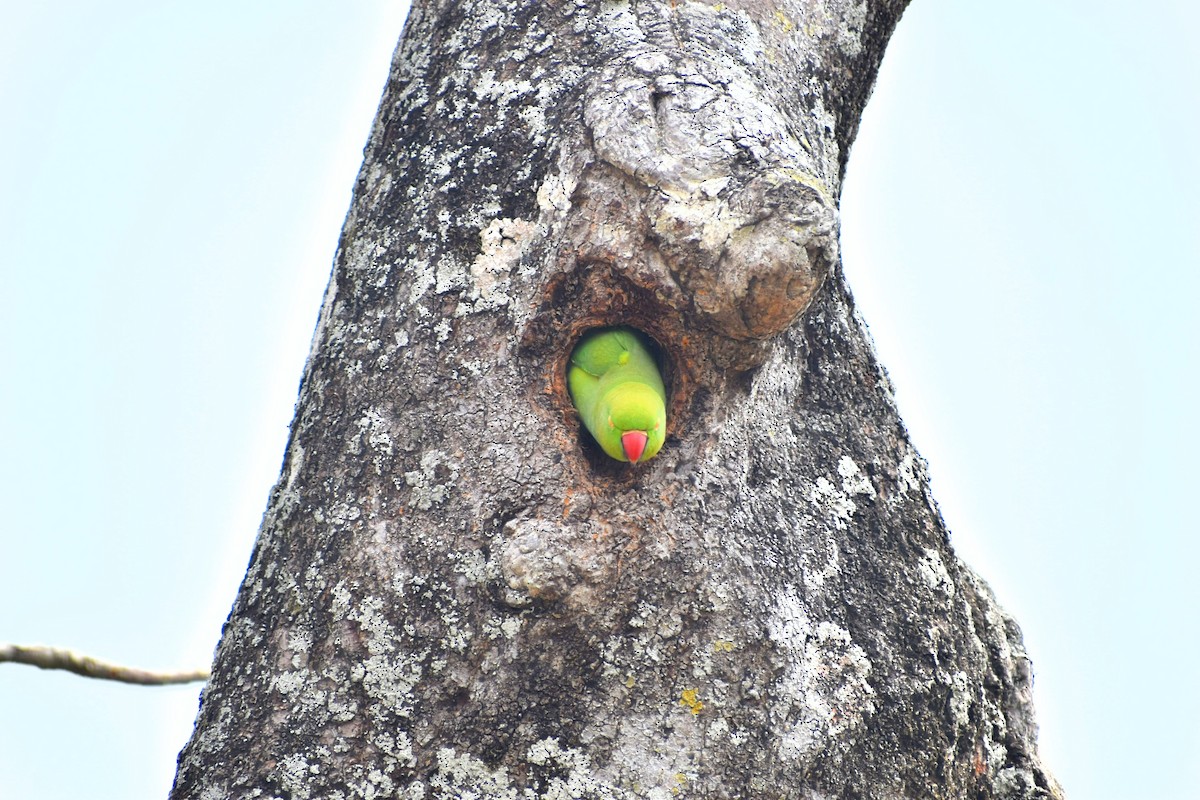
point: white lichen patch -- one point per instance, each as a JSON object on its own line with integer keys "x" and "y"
{"x": 933, "y": 571}
{"x": 421, "y": 278}
{"x": 458, "y": 635}
{"x": 388, "y": 674}
{"x": 645, "y": 612}
{"x": 511, "y": 626}
{"x": 464, "y": 776}
{"x": 472, "y": 566}
{"x": 835, "y": 501}
{"x": 554, "y": 195}
{"x": 960, "y": 700}
{"x": 850, "y": 28}
{"x": 502, "y": 243}
{"x": 702, "y": 663}
{"x": 825, "y": 684}
{"x": 652, "y": 771}
{"x": 670, "y": 625}
{"x": 853, "y": 480}
{"x": 500, "y": 93}
{"x": 339, "y": 515}
{"x": 534, "y": 118}
{"x": 375, "y": 433}
{"x": 342, "y": 602}
{"x": 580, "y": 781}
{"x": 289, "y": 683}
{"x": 473, "y": 367}
{"x": 295, "y": 774}
{"x": 378, "y": 784}
{"x": 390, "y": 681}
{"x": 426, "y": 490}
{"x": 443, "y": 329}
{"x": 450, "y": 274}
{"x": 908, "y": 472}
{"x": 341, "y": 709}
{"x": 821, "y": 564}
{"x": 299, "y": 642}
{"x": 403, "y": 750}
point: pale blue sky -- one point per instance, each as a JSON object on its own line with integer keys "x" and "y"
{"x": 1020, "y": 230}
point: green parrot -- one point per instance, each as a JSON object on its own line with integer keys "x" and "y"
{"x": 615, "y": 385}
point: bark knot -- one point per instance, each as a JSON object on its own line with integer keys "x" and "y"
{"x": 733, "y": 202}
{"x": 550, "y": 561}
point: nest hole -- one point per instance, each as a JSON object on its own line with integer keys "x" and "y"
{"x": 600, "y": 296}
{"x": 600, "y": 462}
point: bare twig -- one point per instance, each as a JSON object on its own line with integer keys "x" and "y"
{"x": 60, "y": 658}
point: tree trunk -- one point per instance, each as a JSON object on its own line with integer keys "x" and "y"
{"x": 455, "y": 593}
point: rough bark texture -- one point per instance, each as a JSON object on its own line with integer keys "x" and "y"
{"x": 455, "y": 594}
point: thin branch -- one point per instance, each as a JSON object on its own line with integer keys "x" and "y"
{"x": 60, "y": 658}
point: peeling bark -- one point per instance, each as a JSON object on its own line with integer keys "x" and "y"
{"x": 456, "y": 594}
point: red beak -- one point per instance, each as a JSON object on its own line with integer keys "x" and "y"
{"x": 634, "y": 444}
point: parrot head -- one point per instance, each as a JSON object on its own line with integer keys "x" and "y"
{"x": 636, "y": 422}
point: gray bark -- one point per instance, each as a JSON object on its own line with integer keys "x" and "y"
{"x": 455, "y": 594}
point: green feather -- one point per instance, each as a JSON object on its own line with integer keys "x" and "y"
{"x": 616, "y": 387}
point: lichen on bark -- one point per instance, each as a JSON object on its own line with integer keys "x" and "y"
{"x": 454, "y": 595}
